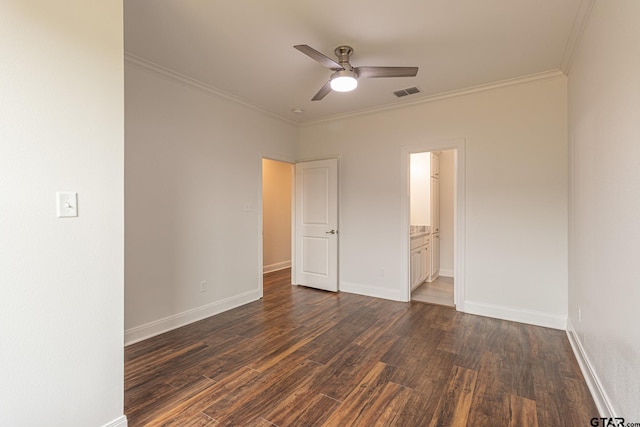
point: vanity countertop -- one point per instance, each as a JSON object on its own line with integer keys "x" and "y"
{"x": 419, "y": 231}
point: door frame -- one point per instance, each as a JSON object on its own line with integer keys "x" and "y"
{"x": 459, "y": 214}
{"x": 284, "y": 158}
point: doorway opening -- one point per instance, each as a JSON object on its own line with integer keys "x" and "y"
{"x": 433, "y": 223}
{"x": 277, "y": 199}
{"x": 431, "y": 204}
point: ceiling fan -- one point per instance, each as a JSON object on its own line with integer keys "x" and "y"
{"x": 345, "y": 76}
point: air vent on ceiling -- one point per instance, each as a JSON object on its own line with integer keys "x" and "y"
{"x": 407, "y": 91}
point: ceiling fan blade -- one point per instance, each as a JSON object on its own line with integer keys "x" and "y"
{"x": 371, "y": 72}
{"x": 319, "y": 57}
{"x": 324, "y": 91}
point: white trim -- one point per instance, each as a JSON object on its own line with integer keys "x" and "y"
{"x": 293, "y": 223}
{"x": 600, "y": 397}
{"x": 276, "y": 266}
{"x": 445, "y": 95}
{"x": 190, "y": 81}
{"x": 371, "y": 291}
{"x": 405, "y": 224}
{"x": 260, "y": 226}
{"x": 157, "y": 327}
{"x": 119, "y": 422}
{"x": 446, "y": 273}
{"x": 459, "y": 212}
{"x": 577, "y": 30}
{"x": 538, "y": 318}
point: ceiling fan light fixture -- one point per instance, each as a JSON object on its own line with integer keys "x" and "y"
{"x": 345, "y": 76}
{"x": 343, "y": 81}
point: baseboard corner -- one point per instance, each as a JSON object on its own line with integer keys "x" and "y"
{"x": 118, "y": 422}
{"x": 166, "y": 324}
{"x": 446, "y": 273}
{"x": 600, "y": 397}
{"x": 547, "y": 320}
{"x": 276, "y": 266}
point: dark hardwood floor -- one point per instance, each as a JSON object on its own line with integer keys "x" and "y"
{"x": 303, "y": 357}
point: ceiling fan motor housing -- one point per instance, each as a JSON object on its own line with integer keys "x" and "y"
{"x": 343, "y": 53}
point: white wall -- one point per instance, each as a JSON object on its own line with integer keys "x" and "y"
{"x": 516, "y": 194}
{"x": 604, "y": 126}
{"x": 420, "y": 189}
{"x": 193, "y": 190}
{"x": 447, "y": 187}
{"x": 277, "y": 185}
{"x": 61, "y": 309}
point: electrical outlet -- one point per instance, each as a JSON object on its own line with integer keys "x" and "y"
{"x": 381, "y": 272}
{"x": 579, "y": 315}
{"x": 203, "y": 286}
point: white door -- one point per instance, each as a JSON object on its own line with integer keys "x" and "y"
{"x": 316, "y": 260}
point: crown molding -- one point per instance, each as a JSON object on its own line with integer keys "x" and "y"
{"x": 577, "y": 30}
{"x": 144, "y": 63}
{"x": 152, "y": 66}
{"x": 551, "y": 74}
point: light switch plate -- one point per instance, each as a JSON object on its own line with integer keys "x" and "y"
{"x": 67, "y": 204}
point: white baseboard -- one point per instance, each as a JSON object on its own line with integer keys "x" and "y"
{"x": 446, "y": 273}
{"x": 120, "y": 422}
{"x": 537, "y": 318}
{"x": 600, "y": 397}
{"x": 370, "y": 291}
{"x": 275, "y": 267}
{"x": 157, "y": 327}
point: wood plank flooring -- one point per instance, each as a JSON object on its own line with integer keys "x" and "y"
{"x": 303, "y": 357}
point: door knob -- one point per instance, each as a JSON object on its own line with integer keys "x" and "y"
{"x": 330, "y": 232}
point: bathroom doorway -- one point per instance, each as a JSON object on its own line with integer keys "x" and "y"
{"x": 432, "y": 195}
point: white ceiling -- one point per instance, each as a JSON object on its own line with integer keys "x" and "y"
{"x": 244, "y": 48}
